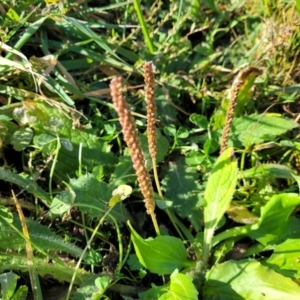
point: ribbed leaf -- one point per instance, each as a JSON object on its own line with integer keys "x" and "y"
{"x": 219, "y": 190}
{"x": 256, "y": 129}
{"x": 41, "y": 237}
{"x": 274, "y": 216}
{"x": 59, "y": 271}
{"x": 237, "y": 280}
{"x": 161, "y": 255}
{"x": 218, "y": 194}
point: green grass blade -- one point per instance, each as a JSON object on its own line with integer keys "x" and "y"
{"x": 147, "y": 38}
{"x": 30, "y": 31}
{"x": 89, "y": 33}
{"x": 298, "y": 6}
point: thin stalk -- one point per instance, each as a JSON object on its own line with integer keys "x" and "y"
{"x": 242, "y": 164}
{"x": 128, "y": 251}
{"x": 154, "y": 221}
{"x": 119, "y": 242}
{"x": 89, "y": 242}
{"x": 156, "y": 179}
{"x": 151, "y": 134}
{"x": 53, "y": 166}
{"x": 80, "y": 160}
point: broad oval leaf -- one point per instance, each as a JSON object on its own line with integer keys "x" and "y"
{"x": 268, "y": 171}
{"x": 255, "y": 129}
{"x": 247, "y": 279}
{"x": 274, "y": 217}
{"x": 8, "y": 283}
{"x": 181, "y": 287}
{"x": 286, "y": 258}
{"x": 161, "y": 255}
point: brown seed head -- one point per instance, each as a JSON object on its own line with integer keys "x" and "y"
{"x": 133, "y": 143}
{"x": 235, "y": 89}
{"x": 151, "y": 107}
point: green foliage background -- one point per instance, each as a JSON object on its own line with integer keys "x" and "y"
{"x": 62, "y": 152}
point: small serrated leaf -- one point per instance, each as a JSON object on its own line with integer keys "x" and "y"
{"x": 6, "y": 215}
{"x": 51, "y": 120}
{"x": 199, "y": 120}
{"x": 47, "y": 143}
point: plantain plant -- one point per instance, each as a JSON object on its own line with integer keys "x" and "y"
{"x": 75, "y": 204}
{"x": 211, "y": 275}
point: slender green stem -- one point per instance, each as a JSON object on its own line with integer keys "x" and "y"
{"x": 84, "y": 251}
{"x": 58, "y": 145}
{"x": 154, "y": 221}
{"x": 178, "y": 16}
{"x": 84, "y": 226}
{"x": 128, "y": 251}
{"x": 242, "y": 164}
{"x": 28, "y": 33}
{"x": 179, "y": 226}
{"x": 170, "y": 214}
{"x": 35, "y": 283}
{"x": 119, "y": 242}
{"x": 267, "y": 8}
{"x": 158, "y": 187}
{"x": 157, "y": 183}
{"x": 143, "y": 25}
{"x": 80, "y": 160}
